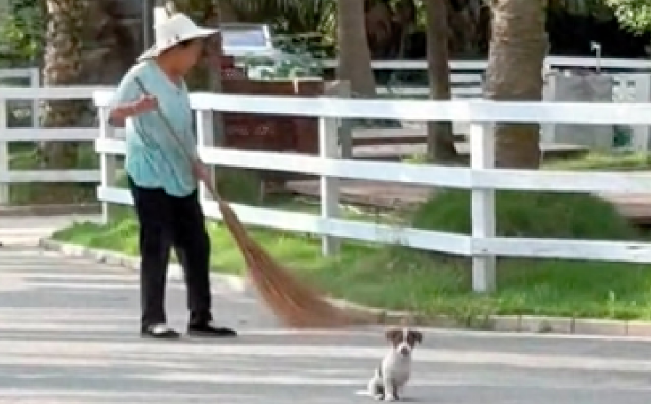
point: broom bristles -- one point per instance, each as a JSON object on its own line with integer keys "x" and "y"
{"x": 293, "y": 302}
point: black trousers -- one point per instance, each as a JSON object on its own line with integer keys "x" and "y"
{"x": 167, "y": 221}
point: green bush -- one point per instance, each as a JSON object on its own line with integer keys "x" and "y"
{"x": 529, "y": 214}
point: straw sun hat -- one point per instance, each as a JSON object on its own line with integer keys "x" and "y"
{"x": 172, "y": 31}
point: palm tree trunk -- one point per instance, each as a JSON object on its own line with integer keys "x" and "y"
{"x": 440, "y": 136}
{"x": 354, "y": 55}
{"x": 63, "y": 66}
{"x": 514, "y": 72}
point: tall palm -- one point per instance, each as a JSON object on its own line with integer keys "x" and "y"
{"x": 514, "y": 72}
{"x": 440, "y": 138}
{"x": 63, "y": 66}
{"x": 354, "y": 55}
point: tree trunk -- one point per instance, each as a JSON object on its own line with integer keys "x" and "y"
{"x": 354, "y": 55}
{"x": 440, "y": 136}
{"x": 514, "y": 72}
{"x": 63, "y": 66}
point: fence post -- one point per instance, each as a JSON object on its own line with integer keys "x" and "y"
{"x": 482, "y": 157}
{"x": 642, "y": 134}
{"x": 548, "y": 130}
{"x": 341, "y": 89}
{"x": 35, "y": 82}
{"x": 107, "y": 162}
{"x": 329, "y": 149}
{"x": 4, "y": 154}
{"x": 205, "y": 138}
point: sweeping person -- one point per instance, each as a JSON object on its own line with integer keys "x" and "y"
{"x": 162, "y": 181}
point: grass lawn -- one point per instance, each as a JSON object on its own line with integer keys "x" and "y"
{"x": 402, "y": 278}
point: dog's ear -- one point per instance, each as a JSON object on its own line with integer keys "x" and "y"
{"x": 418, "y": 336}
{"x": 392, "y": 334}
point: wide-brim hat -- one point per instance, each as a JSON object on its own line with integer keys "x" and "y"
{"x": 172, "y": 31}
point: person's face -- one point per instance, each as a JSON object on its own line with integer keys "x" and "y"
{"x": 188, "y": 54}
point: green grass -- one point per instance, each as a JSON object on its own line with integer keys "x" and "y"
{"x": 403, "y": 278}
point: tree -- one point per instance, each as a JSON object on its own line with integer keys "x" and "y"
{"x": 440, "y": 136}
{"x": 63, "y": 67}
{"x": 354, "y": 55}
{"x": 514, "y": 72}
{"x": 634, "y": 14}
{"x": 21, "y": 32}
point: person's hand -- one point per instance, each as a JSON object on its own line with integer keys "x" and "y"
{"x": 146, "y": 103}
{"x": 200, "y": 171}
{"x": 202, "y": 174}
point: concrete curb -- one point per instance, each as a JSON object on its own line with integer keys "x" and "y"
{"x": 174, "y": 271}
{"x": 514, "y": 323}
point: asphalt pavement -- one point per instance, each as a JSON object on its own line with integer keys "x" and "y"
{"x": 69, "y": 334}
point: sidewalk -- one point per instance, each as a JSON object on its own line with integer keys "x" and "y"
{"x": 28, "y": 230}
{"x": 69, "y": 334}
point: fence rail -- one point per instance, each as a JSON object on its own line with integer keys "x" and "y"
{"x": 35, "y": 133}
{"x": 550, "y": 61}
{"x": 33, "y": 80}
{"x": 481, "y": 178}
{"x": 466, "y": 75}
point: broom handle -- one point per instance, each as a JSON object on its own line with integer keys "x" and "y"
{"x": 174, "y": 136}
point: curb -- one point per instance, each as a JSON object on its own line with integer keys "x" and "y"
{"x": 174, "y": 271}
{"x": 50, "y": 210}
{"x": 500, "y": 323}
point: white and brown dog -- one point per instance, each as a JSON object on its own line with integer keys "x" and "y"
{"x": 395, "y": 369}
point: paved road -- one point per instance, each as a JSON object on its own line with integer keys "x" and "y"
{"x": 27, "y": 230}
{"x": 68, "y": 335}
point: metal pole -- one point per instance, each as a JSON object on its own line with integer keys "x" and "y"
{"x": 147, "y": 23}
{"x": 596, "y": 47}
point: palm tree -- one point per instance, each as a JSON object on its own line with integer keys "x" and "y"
{"x": 440, "y": 137}
{"x": 514, "y": 72}
{"x": 63, "y": 66}
{"x": 354, "y": 55}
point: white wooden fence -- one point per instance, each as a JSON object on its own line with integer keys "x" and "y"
{"x": 33, "y": 80}
{"x": 37, "y": 134}
{"x": 466, "y": 75}
{"x": 631, "y": 83}
{"x": 481, "y": 178}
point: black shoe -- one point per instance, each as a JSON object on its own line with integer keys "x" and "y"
{"x": 207, "y": 329}
{"x": 159, "y": 331}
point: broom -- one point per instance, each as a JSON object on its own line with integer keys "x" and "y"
{"x": 296, "y": 304}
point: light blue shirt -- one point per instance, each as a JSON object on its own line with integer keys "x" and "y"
{"x": 153, "y": 158}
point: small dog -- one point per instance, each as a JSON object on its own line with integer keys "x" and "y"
{"x": 394, "y": 370}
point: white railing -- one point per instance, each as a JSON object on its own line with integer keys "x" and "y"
{"x": 31, "y": 75}
{"x": 466, "y": 75}
{"x": 481, "y": 178}
{"x": 632, "y": 83}
{"x": 550, "y": 62}
{"x": 38, "y": 134}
